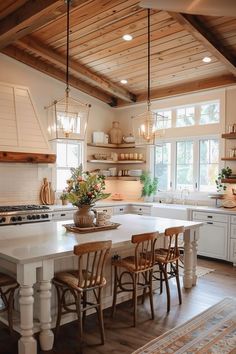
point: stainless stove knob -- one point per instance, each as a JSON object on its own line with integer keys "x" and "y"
{"x": 19, "y": 218}
{"x": 33, "y": 217}
{"x": 13, "y": 219}
{"x": 37, "y": 216}
{"x": 29, "y": 217}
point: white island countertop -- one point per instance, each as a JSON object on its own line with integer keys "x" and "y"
{"x": 31, "y": 242}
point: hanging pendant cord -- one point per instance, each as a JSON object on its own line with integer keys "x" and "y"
{"x": 67, "y": 46}
{"x": 149, "y": 54}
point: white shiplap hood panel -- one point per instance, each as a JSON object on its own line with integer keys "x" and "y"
{"x": 20, "y": 127}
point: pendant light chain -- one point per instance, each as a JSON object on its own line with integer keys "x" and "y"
{"x": 67, "y": 45}
{"x": 149, "y": 62}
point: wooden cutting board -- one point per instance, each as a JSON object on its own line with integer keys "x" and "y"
{"x": 47, "y": 194}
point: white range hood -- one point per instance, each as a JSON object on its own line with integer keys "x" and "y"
{"x": 20, "y": 128}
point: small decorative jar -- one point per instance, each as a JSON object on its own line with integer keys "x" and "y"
{"x": 116, "y": 135}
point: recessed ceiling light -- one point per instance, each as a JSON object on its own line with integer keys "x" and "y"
{"x": 127, "y": 37}
{"x": 123, "y": 81}
{"x": 206, "y": 60}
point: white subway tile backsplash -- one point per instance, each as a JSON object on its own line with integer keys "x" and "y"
{"x": 20, "y": 183}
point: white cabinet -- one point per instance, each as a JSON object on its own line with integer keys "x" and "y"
{"x": 213, "y": 241}
{"x": 108, "y": 210}
{"x": 232, "y": 240}
{"x": 140, "y": 210}
{"x": 121, "y": 209}
{"x": 170, "y": 212}
{"x": 63, "y": 215}
{"x": 232, "y": 251}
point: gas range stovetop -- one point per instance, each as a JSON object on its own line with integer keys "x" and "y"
{"x": 21, "y": 214}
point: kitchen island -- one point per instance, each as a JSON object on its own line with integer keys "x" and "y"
{"x": 35, "y": 251}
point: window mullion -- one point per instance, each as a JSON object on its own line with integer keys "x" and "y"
{"x": 196, "y": 167}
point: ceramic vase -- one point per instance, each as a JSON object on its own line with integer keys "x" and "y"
{"x": 116, "y": 135}
{"x": 84, "y": 216}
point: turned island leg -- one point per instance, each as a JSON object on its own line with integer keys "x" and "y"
{"x": 194, "y": 250}
{"x": 26, "y": 276}
{"x": 46, "y": 336}
{"x": 188, "y": 260}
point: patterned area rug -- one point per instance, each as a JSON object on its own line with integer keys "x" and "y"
{"x": 200, "y": 271}
{"x": 211, "y": 332}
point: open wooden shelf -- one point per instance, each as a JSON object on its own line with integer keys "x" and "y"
{"x": 228, "y": 158}
{"x": 229, "y": 136}
{"x": 228, "y": 180}
{"x": 13, "y": 156}
{"x": 120, "y": 162}
{"x": 113, "y": 146}
{"x": 123, "y": 178}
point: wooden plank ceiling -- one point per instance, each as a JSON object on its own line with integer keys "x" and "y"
{"x": 34, "y": 32}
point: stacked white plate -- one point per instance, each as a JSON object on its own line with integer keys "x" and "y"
{"x": 135, "y": 173}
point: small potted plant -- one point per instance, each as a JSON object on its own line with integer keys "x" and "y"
{"x": 149, "y": 186}
{"x": 64, "y": 198}
{"x": 224, "y": 173}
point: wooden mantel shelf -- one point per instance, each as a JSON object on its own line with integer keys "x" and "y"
{"x": 12, "y": 156}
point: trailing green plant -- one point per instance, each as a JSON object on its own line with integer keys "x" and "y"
{"x": 224, "y": 173}
{"x": 149, "y": 184}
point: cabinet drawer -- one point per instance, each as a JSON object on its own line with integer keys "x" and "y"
{"x": 233, "y": 219}
{"x": 122, "y": 209}
{"x": 233, "y": 231}
{"x": 198, "y": 215}
{"x": 108, "y": 210}
{"x": 141, "y": 210}
{"x": 232, "y": 251}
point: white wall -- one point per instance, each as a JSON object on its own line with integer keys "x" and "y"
{"x": 20, "y": 183}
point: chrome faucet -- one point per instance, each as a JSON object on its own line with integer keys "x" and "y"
{"x": 184, "y": 194}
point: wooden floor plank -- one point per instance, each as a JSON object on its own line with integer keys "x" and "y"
{"x": 121, "y": 337}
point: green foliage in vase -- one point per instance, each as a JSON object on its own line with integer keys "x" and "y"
{"x": 224, "y": 173}
{"x": 149, "y": 184}
{"x": 85, "y": 188}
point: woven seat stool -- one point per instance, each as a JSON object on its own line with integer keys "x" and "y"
{"x": 73, "y": 286}
{"x": 167, "y": 260}
{"x": 138, "y": 268}
{"x": 8, "y": 286}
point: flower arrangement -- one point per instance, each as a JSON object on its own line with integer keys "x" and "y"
{"x": 85, "y": 188}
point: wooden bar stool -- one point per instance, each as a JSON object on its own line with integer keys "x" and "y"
{"x": 168, "y": 261}
{"x": 135, "y": 267}
{"x": 8, "y": 286}
{"x": 88, "y": 278}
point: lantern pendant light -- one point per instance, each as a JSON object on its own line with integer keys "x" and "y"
{"x": 68, "y": 116}
{"x": 145, "y": 124}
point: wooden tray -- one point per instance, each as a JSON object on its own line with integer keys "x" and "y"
{"x": 84, "y": 230}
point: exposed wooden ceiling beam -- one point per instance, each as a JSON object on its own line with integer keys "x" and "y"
{"x": 76, "y": 69}
{"x": 30, "y": 16}
{"x": 58, "y": 74}
{"x": 199, "y": 31}
{"x": 185, "y": 88}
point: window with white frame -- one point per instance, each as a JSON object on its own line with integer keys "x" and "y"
{"x": 209, "y": 113}
{"x": 190, "y": 115}
{"x": 163, "y": 165}
{"x": 190, "y": 163}
{"x": 69, "y": 154}
{"x": 185, "y": 116}
{"x": 184, "y": 165}
{"x": 208, "y": 163}
{"x": 164, "y": 119}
